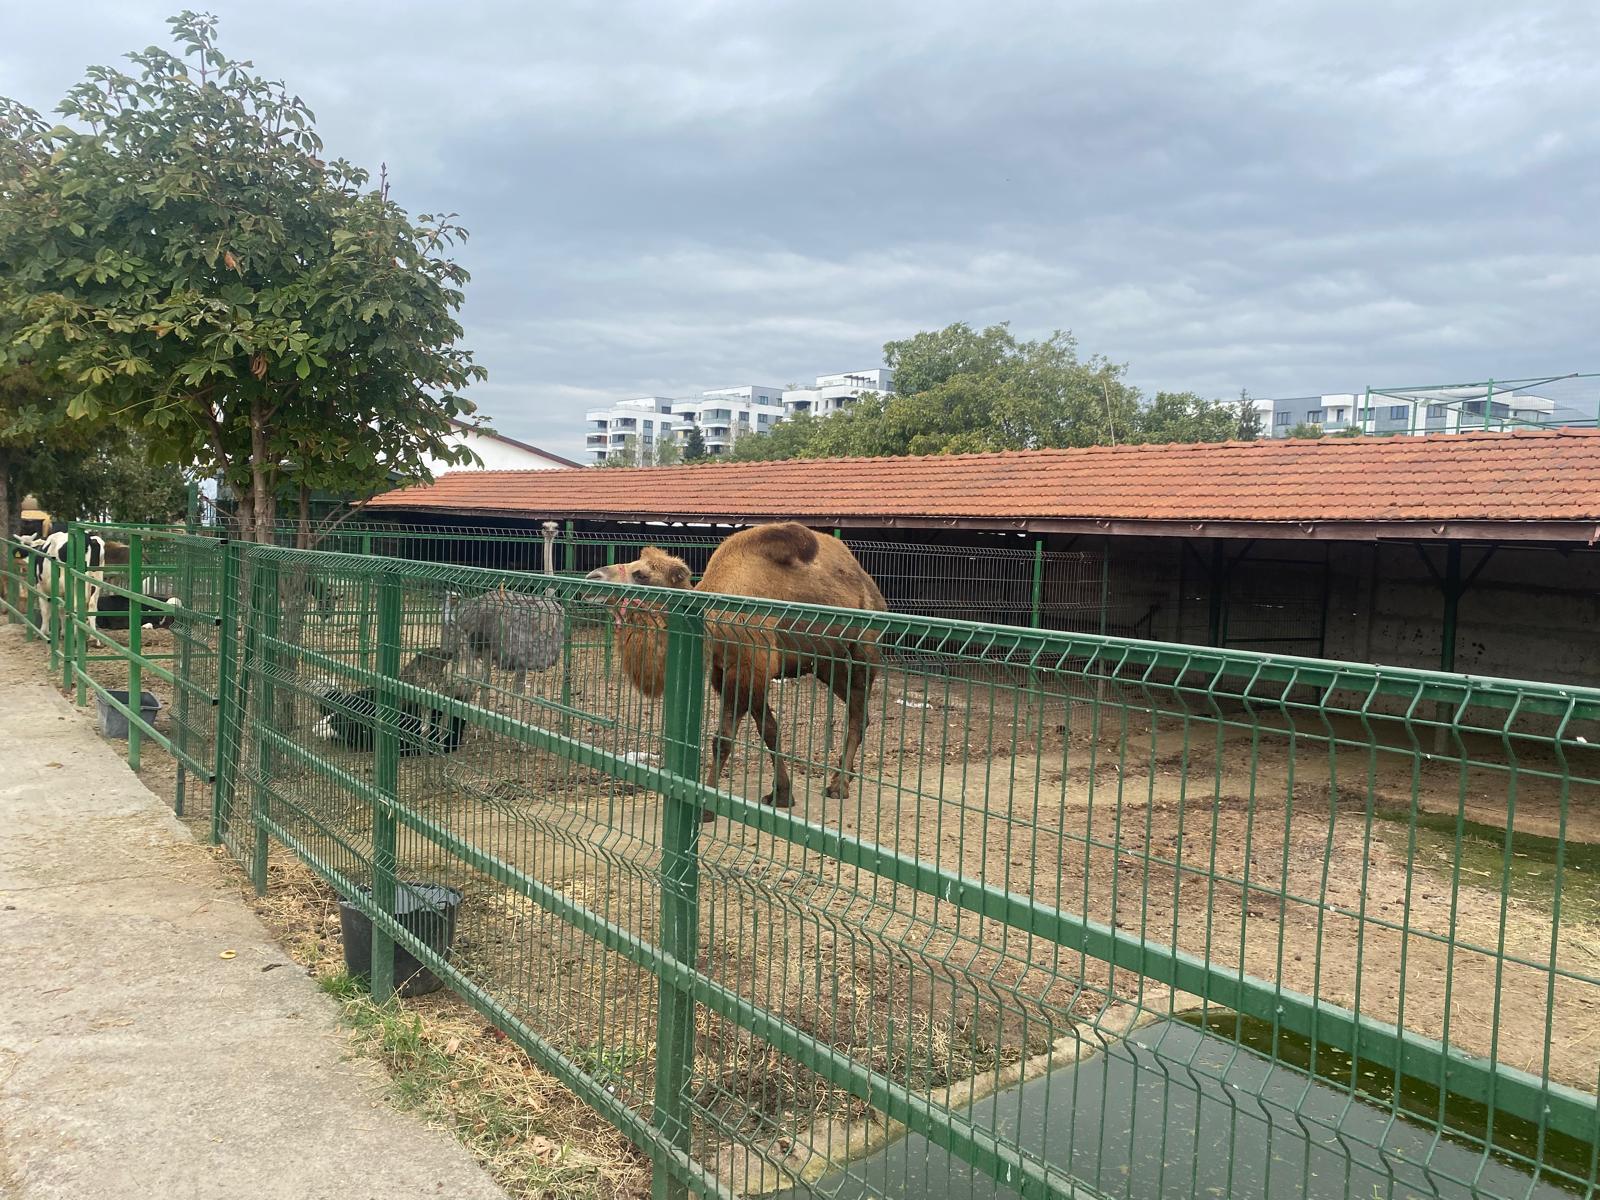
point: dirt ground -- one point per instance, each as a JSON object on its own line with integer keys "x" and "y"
{"x": 1359, "y": 862}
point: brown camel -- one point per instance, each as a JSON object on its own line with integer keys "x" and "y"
{"x": 774, "y": 562}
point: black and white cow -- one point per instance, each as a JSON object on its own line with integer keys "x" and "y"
{"x": 97, "y": 555}
{"x": 111, "y": 611}
{"x": 52, "y": 548}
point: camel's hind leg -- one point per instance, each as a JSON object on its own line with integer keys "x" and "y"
{"x": 851, "y": 682}
{"x": 782, "y": 794}
{"x": 722, "y": 747}
{"x": 734, "y": 708}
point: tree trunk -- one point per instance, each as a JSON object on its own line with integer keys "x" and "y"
{"x": 302, "y": 537}
{"x": 7, "y": 517}
{"x": 262, "y": 476}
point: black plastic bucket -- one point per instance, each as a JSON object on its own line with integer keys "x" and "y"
{"x": 114, "y": 722}
{"x": 425, "y": 910}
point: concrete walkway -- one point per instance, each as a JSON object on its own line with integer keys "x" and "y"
{"x": 134, "y": 1061}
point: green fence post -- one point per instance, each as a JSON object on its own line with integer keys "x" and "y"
{"x": 227, "y": 697}
{"x": 180, "y": 691}
{"x": 265, "y": 605}
{"x": 606, "y": 626}
{"x": 364, "y": 617}
{"x": 385, "y": 779}
{"x": 1037, "y": 616}
{"x": 61, "y": 629}
{"x": 77, "y": 612}
{"x": 135, "y": 582}
{"x": 682, "y": 701}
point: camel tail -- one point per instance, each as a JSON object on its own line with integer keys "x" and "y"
{"x": 786, "y": 544}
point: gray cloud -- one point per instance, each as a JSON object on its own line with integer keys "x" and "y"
{"x": 1291, "y": 198}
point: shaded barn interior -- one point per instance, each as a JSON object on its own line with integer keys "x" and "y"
{"x": 1298, "y": 549}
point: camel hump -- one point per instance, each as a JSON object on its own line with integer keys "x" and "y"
{"x": 786, "y": 544}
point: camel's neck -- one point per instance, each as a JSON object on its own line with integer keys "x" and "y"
{"x": 642, "y": 634}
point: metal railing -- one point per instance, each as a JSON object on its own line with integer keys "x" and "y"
{"x": 1106, "y": 917}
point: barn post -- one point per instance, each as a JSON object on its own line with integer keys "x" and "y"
{"x": 227, "y": 696}
{"x": 385, "y": 781}
{"x": 1452, "y": 604}
{"x": 1219, "y": 577}
{"x": 682, "y": 699}
{"x": 135, "y": 583}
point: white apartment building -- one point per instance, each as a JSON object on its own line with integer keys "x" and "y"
{"x": 834, "y": 393}
{"x": 1439, "y": 410}
{"x": 724, "y": 415}
{"x": 640, "y": 424}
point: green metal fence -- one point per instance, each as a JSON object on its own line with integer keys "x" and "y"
{"x": 1105, "y": 917}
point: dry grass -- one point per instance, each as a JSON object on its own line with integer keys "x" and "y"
{"x": 450, "y": 1066}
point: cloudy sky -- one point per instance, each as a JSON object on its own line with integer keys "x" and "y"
{"x": 1289, "y": 197}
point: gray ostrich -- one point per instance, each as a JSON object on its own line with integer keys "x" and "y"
{"x": 509, "y": 630}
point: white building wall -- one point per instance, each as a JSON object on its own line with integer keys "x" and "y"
{"x": 497, "y": 455}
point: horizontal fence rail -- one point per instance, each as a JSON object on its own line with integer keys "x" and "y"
{"x": 816, "y": 900}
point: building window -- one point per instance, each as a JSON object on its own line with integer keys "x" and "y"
{"x": 1337, "y": 414}
{"x": 1436, "y": 412}
{"x": 1283, "y": 418}
{"x": 1314, "y": 417}
{"x": 1399, "y": 412}
{"x": 1366, "y": 412}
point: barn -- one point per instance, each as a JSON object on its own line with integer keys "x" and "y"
{"x": 1468, "y": 552}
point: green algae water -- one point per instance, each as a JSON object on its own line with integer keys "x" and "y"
{"x": 1191, "y": 1108}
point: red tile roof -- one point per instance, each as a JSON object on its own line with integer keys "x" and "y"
{"x": 1537, "y": 476}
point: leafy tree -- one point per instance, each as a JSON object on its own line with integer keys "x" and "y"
{"x": 626, "y": 455}
{"x": 1185, "y": 417}
{"x": 1306, "y": 430}
{"x": 694, "y": 445}
{"x": 668, "y": 452}
{"x": 185, "y": 261}
{"x": 32, "y": 417}
{"x": 1250, "y": 427}
{"x": 110, "y": 478}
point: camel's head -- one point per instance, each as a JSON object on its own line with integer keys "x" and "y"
{"x": 653, "y": 568}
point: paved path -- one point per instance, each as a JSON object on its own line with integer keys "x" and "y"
{"x": 133, "y": 1060}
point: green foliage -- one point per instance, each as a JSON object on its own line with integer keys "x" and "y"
{"x": 183, "y": 259}
{"x": 1304, "y": 430}
{"x": 668, "y": 452}
{"x": 1185, "y": 417}
{"x": 1251, "y": 426}
{"x": 694, "y": 445}
{"x": 959, "y": 390}
{"x": 111, "y": 478}
{"x": 626, "y": 455}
